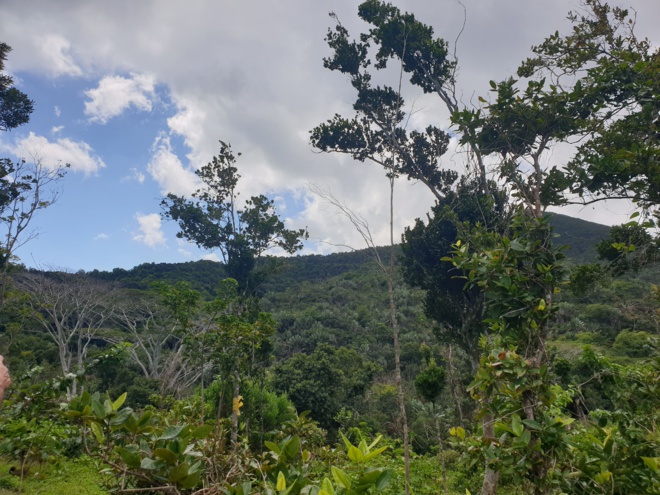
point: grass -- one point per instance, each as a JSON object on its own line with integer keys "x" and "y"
{"x": 67, "y": 477}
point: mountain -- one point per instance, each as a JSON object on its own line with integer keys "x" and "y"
{"x": 204, "y": 275}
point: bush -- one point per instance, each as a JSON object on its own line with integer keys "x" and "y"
{"x": 635, "y": 344}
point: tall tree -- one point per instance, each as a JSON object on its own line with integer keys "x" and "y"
{"x": 378, "y": 132}
{"x": 214, "y": 219}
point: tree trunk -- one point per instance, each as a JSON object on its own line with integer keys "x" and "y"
{"x": 453, "y": 385}
{"x": 441, "y": 451}
{"x": 397, "y": 346}
{"x": 491, "y": 477}
{"x": 220, "y": 401}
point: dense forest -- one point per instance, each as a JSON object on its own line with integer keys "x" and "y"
{"x": 491, "y": 348}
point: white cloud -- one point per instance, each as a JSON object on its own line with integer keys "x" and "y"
{"x": 101, "y": 236}
{"x": 225, "y": 95}
{"x": 78, "y": 154}
{"x": 114, "y": 94}
{"x": 135, "y": 175}
{"x": 211, "y": 257}
{"x": 56, "y": 129}
{"x": 150, "y": 228}
{"x": 60, "y": 62}
{"x": 168, "y": 171}
{"x": 58, "y": 112}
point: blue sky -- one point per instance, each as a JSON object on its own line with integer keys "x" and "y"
{"x": 136, "y": 95}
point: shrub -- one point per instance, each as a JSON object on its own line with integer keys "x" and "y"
{"x": 635, "y": 344}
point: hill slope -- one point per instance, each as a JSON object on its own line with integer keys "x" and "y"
{"x": 205, "y": 275}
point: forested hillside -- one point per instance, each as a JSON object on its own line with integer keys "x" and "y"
{"x": 578, "y": 235}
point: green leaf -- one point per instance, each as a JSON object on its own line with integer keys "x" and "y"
{"x": 98, "y": 409}
{"x": 281, "y": 482}
{"x": 526, "y": 437}
{"x": 383, "y": 480}
{"x": 292, "y": 447}
{"x": 245, "y": 488}
{"x": 130, "y": 457}
{"x": 652, "y": 462}
{"x": 355, "y": 454}
{"x": 190, "y": 481}
{"x": 119, "y": 402}
{"x": 167, "y": 455}
{"x": 341, "y": 478}
{"x": 375, "y": 453}
{"x": 326, "y": 486}
{"x": 150, "y": 464}
{"x": 531, "y": 424}
{"x": 201, "y": 431}
{"x": 347, "y": 442}
{"x": 98, "y": 432}
{"x": 369, "y": 478}
{"x": 273, "y": 447}
{"x": 144, "y": 419}
{"x": 121, "y": 417}
{"x": 375, "y": 442}
{"x": 516, "y": 425}
{"x": 603, "y": 477}
{"x": 178, "y": 472}
{"x": 171, "y": 432}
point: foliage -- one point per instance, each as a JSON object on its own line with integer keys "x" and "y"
{"x": 636, "y": 344}
{"x": 323, "y": 381}
{"x": 457, "y": 311}
{"x": 430, "y": 382}
{"x": 262, "y": 410}
{"x": 31, "y": 429}
{"x": 15, "y": 106}
{"x": 628, "y": 247}
{"x": 614, "y": 81}
{"x": 141, "y": 448}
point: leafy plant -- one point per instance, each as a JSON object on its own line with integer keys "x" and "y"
{"x": 142, "y": 449}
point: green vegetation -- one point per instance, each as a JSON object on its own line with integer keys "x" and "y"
{"x": 484, "y": 356}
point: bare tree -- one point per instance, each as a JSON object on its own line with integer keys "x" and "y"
{"x": 387, "y": 267}
{"x": 72, "y": 308}
{"x": 25, "y": 188}
{"x": 156, "y": 345}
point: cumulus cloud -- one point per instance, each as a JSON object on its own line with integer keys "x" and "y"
{"x": 150, "y": 228}
{"x": 56, "y": 129}
{"x": 114, "y": 94}
{"x": 55, "y": 48}
{"x": 168, "y": 171}
{"x": 101, "y": 236}
{"x": 77, "y": 154}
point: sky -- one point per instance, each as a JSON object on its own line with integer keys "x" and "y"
{"x": 135, "y": 96}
